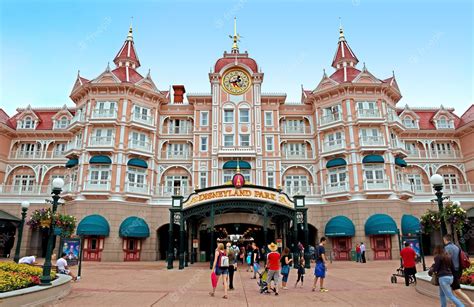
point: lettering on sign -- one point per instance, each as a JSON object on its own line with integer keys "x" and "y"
{"x": 238, "y": 194}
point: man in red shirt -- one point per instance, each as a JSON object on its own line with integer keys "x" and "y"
{"x": 409, "y": 265}
{"x": 273, "y": 266}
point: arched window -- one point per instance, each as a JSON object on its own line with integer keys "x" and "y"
{"x": 63, "y": 122}
{"x": 28, "y": 123}
{"x": 244, "y": 115}
{"x": 409, "y": 122}
{"x": 443, "y": 123}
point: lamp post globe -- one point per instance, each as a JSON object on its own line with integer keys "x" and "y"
{"x": 58, "y": 183}
{"x": 457, "y": 203}
{"x": 24, "y": 208}
{"x": 436, "y": 180}
{"x": 25, "y": 204}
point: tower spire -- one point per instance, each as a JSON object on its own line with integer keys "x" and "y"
{"x": 130, "y": 31}
{"x": 127, "y": 56}
{"x": 235, "y": 38}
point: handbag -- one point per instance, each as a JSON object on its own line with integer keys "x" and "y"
{"x": 285, "y": 270}
{"x": 435, "y": 279}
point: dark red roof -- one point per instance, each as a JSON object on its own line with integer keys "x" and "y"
{"x": 222, "y": 62}
{"x": 83, "y": 80}
{"x": 121, "y": 73}
{"x": 338, "y": 75}
{"x": 127, "y": 53}
{"x": 344, "y": 53}
{"x": 5, "y": 119}
{"x": 468, "y": 116}
{"x": 425, "y": 121}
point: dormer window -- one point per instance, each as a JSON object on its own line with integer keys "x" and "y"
{"x": 28, "y": 123}
{"x": 409, "y": 122}
{"x": 444, "y": 123}
{"x": 62, "y": 123}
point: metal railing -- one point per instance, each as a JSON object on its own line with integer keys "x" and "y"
{"x": 331, "y": 118}
{"x": 101, "y": 141}
{"x": 104, "y": 113}
{"x": 334, "y": 145}
{"x": 372, "y": 140}
{"x": 142, "y": 118}
{"x": 368, "y": 113}
{"x": 140, "y": 145}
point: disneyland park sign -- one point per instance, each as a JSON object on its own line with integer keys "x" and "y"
{"x": 238, "y": 193}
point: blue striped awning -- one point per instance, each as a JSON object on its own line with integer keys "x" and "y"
{"x": 380, "y": 224}
{"x": 340, "y": 226}
{"x": 400, "y": 162}
{"x": 72, "y": 162}
{"x": 137, "y": 163}
{"x": 336, "y": 162}
{"x": 373, "y": 159}
{"x": 233, "y": 164}
{"x": 100, "y": 160}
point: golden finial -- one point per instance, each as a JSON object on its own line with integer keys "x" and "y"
{"x": 341, "y": 30}
{"x": 235, "y": 38}
{"x": 238, "y": 166}
{"x": 130, "y": 31}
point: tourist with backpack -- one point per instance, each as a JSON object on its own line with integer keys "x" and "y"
{"x": 220, "y": 267}
{"x": 457, "y": 254}
{"x": 255, "y": 258}
{"x": 285, "y": 261}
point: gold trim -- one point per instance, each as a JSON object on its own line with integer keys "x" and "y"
{"x": 242, "y": 91}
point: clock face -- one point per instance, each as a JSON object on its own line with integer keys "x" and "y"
{"x": 236, "y": 81}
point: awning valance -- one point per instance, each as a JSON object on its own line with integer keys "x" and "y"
{"x": 137, "y": 163}
{"x": 400, "y": 162}
{"x": 9, "y": 217}
{"x": 100, "y": 160}
{"x": 336, "y": 162}
{"x": 410, "y": 225}
{"x": 373, "y": 159}
{"x": 233, "y": 165}
{"x": 134, "y": 227}
{"x": 380, "y": 224}
{"x": 340, "y": 226}
{"x": 93, "y": 225}
{"x": 72, "y": 162}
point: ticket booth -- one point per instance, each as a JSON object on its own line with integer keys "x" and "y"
{"x": 341, "y": 230}
{"x": 93, "y": 229}
{"x": 133, "y": 230}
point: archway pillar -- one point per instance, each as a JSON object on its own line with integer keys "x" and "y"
{"x": 212, "y": 252}
{"x": 265, "y": 226}
{"x": 307, "y": 255}
{"x": 170, "y": 255}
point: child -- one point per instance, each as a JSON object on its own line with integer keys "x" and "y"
{"x": 301, "y": 272}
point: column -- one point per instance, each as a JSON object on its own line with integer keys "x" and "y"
{"x": 181, "y": 241}
{"x": 295, "y": 241}
{"x": 193, "y": 236}
{"x": 265, "y": 226}
{"x": 306, "y": 240}
{"x": 211, "y": 254}
{"x": 170, "y": 241}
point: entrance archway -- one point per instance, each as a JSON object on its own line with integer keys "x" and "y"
{"x": 163, "y": 240}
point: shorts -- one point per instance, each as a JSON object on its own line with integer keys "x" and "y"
{"x": 456, "y": 285}
{"x": 320, "y": 270}
{"x": 273, "y": 274}
{"x": 256, "y": 267}
{"x": 222, "y": 271}
{"x": 64, "y": 272}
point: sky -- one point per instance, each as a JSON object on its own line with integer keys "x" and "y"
{"x": 429, "y": 44}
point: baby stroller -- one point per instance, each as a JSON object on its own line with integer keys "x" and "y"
{"x": 262, "y": 281}
{"x": 401, "y": 273}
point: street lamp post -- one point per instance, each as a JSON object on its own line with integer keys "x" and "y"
{"x": 437, "y": 182}
{"x": 58, "y": 184}
{"x": 24, "y": 207}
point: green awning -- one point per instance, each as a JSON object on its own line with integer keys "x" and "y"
{"x": 410, "y": 225}
{"x": 100, "y": 160}
{"x": 134, "y": 227}
{"x": 400, "y": 162}
{"x": 340, "y": 226}
{"x": 336, "y": 162}
{"x": 137, "y": 162}
{"x": 233, "y": 164}
{"x": 373, "y": 159}
{"x": 380, "y": 224}
{"x": 72, "y": 162}
{"x": 93, "y": 225}
{"x": 9, "y": 217}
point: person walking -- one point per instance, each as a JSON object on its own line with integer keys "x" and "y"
{"x": 301, "y": 271}
{"x": 220, "y": 267}
{"x": 273, "y": 266}
{"x": 453, "y": 251}
{"x": 255, "y": 258}
{"x": 320, "y": 269}
{"x": 408, "y": 255}
{"x": 358, "y": 258}
{"x": 232, "y": 267}
{"x": 362, "y": 253}
{"x": 285, "y": 262}
{"x": 443, "y": 268}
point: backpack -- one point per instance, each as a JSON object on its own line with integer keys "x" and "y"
{"x": 464, "y": 262}
{"x": 223, "y": 261}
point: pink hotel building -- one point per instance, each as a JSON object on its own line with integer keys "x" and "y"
{"x": 361, "y": 160}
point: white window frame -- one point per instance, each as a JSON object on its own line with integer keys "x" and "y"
{"x": 268, "y": 118}
{"x": 203, "y": 143}
{"x": 376, "y": 171}
{"x": 99, "y": 174}
{"x": 241, "y": 141}
{"x": 28, "y": 123}
{"x": 228, "y": 140}
{"x": 269, "y": 143}
{"x": 271, "y": 179}
{"x": 244, "y": 120}
{"x": 226, "y": 119}
{"x": 204, "y": 118}
{"x": 339, "y": 174}
{"x": 202, "y": 180}
{"x": 137, "y": 177}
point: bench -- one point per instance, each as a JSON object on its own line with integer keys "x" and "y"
{"x": 53, "y": 267}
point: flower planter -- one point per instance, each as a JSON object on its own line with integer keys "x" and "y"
{"x": 424, "y": 286}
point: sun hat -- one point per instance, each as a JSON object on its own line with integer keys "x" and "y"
{"x": 273, "y": 247}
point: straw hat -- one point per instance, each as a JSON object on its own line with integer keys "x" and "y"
{"x": 273, "y": 247}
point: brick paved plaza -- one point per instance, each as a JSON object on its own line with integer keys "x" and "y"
{"x": 151, "y": 284}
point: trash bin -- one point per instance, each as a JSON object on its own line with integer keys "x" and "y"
{"x": 202, "y": 257}
{"x": 353, "y": 255}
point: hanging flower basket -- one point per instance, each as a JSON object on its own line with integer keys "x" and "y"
{"x": 64, "y": 224}
{"x": 45, "y": 223}
{"x": 430, "y": 221}
{"x": 453, "y": 214}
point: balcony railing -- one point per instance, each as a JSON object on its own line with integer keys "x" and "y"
{"x": 139, "y": 145}
{"x": 368, "y": 113}
{"x": 300, "y": 154}
{"x": 337, "y": 187}
{"x": 397, "y": 144}
{"x": 104, "y": 113}
{"x": 77, "y": 118}
{"x": 331, "y": 118}
{"x": 423, "y": 189}
{"x": 445, "y": 154}
{"x": 136, "y": 188}
{"x": 166, "y": 191}
{"x": 236, "y": 149}
{"x": 334, "y": 145}
{"x": 372, "y": 140}
{"x": 55, "y": 154}
{"x": 142, "y": 118}
{"x": 176, "y": 154}
{"x": 21, "y": 189}
{"x": 74, "y": 145}
{"x": 97, "y": 185}
{"x": 179, "y": 130}
{"x": 394, "y": 118}
{"x": 404, "y": 187}
{"x": 28, "y": 154}
{"x": 59, "y": 125}
{"x": 376, "y": 184}
{"x": 102, "y": 141}
{"x": 296, "y": 130}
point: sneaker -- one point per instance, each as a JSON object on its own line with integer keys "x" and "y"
{"x": 276, "y": 293}
{"x": 323, "y": 290}
{"x": 284, "y": 288}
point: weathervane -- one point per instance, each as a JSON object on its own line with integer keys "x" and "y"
{"x": 235, "y": 38}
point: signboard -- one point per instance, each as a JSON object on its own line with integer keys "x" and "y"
{"x": 195, "y": 243}
{"x": 279, "y": 243}
{"x": 414, "y": 243}
{"x": 228, "y": 193}
{"x": 72, "y": 248}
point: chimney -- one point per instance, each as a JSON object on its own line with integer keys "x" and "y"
{"x": 178, "y": 94}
